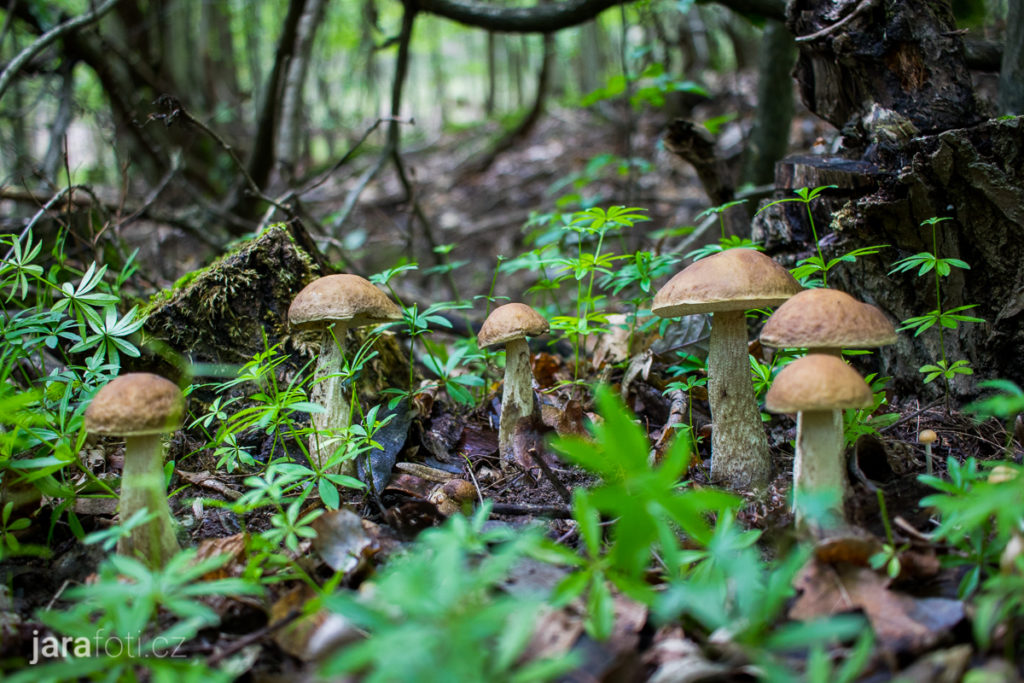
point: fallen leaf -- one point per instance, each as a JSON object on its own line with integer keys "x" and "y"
{"x": 341, "y": 541}
{"x": 941, "y": 666}
{"x": 677, "y": 659}
{"x": 901, "y": 622}
{"x": 391, "y": 438}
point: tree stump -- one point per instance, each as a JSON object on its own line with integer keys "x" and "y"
{"x": 975, "y": 176}
{"x": 234, "y": 309}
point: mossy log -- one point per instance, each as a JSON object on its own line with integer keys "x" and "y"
{"x": 237, "y": 307}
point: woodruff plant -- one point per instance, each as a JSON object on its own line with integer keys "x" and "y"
{"x": 926, "y": 262}
{"x": 813, "y": 271}
{"x": 62, "y": 338}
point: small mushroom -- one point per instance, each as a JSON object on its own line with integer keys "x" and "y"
{"x": 815, "y": 387}
{"x": 728, "y": 284}
{"x": 141, "y": 407}
{"x": 926, "y": 438}
{"x": 510, "y": 325}
{"x": 333, "y": 304}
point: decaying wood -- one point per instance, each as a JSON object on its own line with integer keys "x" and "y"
{"x": 974, "y": 175}
{"x": 905, "y": 55}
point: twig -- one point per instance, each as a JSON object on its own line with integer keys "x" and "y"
{"x": 862, "y": 7}
{"x": 253, "y": 637}
{"x": 45, "y": 40}
{"x": 563, "y": 492}
{"x": 556, "y": 511}
{"x": 911, "y": 416}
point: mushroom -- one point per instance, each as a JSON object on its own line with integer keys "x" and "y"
{"x": 827, "y": 321}
{"x": 927, "y": 437}
{"x": 815, "y": 387}
{"x": 333, "y": 304}
{"x": 727, "y": 284}
{"x": 510, "y": 325}
{"x": 140, "y": 407}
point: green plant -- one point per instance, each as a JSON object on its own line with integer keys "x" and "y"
{"x": 889, "y": 555}
{"x": 123, "y": 605}
{"x": 582, "y": 268}
{"x": 1006, "y": 405}
{"x": 731, "y": 592}
{"x": 724, "y": 241}
{"x": 977, "y": 517}
{"x": 807, "y": 270}
{"x": 926, "y": 262}
{"x": 858, "y": 422}
{"x": 449, "y": 368}
{"x": 805, "y": 196}
{"x": 441, "y": 606}
{"x": 649, "y": 505}
{"x": 48, "y": 327}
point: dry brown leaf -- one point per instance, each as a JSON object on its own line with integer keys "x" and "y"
{"x": 341, "y": 540}
{"x": 901, "y": 622}
{"x": 232, "y": 546}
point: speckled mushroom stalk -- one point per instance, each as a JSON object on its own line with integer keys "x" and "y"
{"x": 333, "y": 304}
{"x": 816, "y": 388}
{"x": 726, "y": 285}
{"x": 509, "y": 325}
{"x": 738, "y": 439}
{"x": 143, "y": 487}
{"x": 141, "y": 407}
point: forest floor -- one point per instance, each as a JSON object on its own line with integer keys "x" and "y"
{"x": 919, "y": 619}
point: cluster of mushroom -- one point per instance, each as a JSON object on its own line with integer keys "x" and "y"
{"x": 817, "y": 387}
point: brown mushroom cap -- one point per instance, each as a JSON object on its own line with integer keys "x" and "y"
{"x": 827, "y": 319}
{"x": 135, "y": 404}
{"x": 511, "y": 321}
{"x": 731, "y": 280}
{"x": 818, "y": 381}
{"x": 342, "y": 298}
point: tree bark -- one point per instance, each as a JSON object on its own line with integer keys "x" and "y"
{"x": 769, "y": 138}
{"x": 292, "y": 102}
{"x": 1011, "y": 76}
{"x": 904, "y": 55}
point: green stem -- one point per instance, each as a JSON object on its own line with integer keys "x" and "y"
{"x": 814, "y": 233}
{"x": 938, "y": 311}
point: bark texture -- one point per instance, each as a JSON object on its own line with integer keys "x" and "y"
{"x": 975, "y": 176}
{"x": 904, "y": 55}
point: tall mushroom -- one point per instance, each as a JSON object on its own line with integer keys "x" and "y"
{"x": 727, "y": 284}
{"x": 333, "y": 304}
{"x": 816, "y": 387}
{"x": 141, "y": 407}
{"x": 510, "y": 325}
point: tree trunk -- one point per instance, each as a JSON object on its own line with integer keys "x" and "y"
{"x": 904, "y": 55}
{"x": 769, "y": 138}
{"x": 1011, "y": 76}
{"x": 890, "y": 71}
{"x": 292, "y": 102}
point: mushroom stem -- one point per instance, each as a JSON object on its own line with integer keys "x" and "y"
{"x": 142, "y": 486}
{"x": 739, "y": 447}
{"x": 517, "y": 400}
{"x": 331, "y": 392}
{"x": 818, "y": 465}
